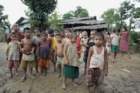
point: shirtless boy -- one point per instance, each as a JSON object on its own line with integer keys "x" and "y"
{"x": 59, "y": 53}
{"x": 28, "y": 57}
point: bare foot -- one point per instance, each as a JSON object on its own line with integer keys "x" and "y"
{"x": 64, "y": 86}
{"x": 11, "y": 76}
{"x": 23, "y": 79}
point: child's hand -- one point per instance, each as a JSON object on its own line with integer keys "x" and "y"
{"x": 106, "y": 73}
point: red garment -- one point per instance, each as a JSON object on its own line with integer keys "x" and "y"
{"x": 78, "y": 40}
{"x": 124, "y": 41}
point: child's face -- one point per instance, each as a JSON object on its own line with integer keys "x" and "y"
{"x": 73, "y": 40}
{"x": 98, "y": 40}
{"x": 43, "y": 37}
{"x": 27, "y": 35}
{"x": 13, "y": 37}
{"x": 59, "y": 38}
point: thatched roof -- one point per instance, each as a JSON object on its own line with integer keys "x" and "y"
{"x": 86, "y": 23}
{"x": 93, "y": 27}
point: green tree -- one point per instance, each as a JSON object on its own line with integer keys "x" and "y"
{"x": 137, "y": 13}
{"x": 79, "y": 12}
{"x": 111, "y": 17}
{"x": 68, "y": 15}
{"x": 55, "y": 21}
{"x": 39, "y": 11}
{"x": 4, "y": 23}
{"x": 127, "y": 12}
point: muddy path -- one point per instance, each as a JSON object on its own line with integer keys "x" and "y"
{"x": 124, "y": 77}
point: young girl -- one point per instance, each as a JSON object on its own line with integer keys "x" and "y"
{"x": 97, "y": 65}
{"x": 43, "y": 54}
{"x": 13, "y": 54}
{"x": 71, "y": 61}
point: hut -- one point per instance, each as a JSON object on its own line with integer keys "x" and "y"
{"x": 85, "y": 24}
{"x": 23, "y": 23}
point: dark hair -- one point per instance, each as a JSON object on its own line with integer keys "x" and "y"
{"x": 114, "y": 30}
{"x": 125, "y": 28}
{"x": 26, "y": 29}
{"x": 100, "y": 34}
{"x": 50, "y": 31}
{"x": 108, "y": 33}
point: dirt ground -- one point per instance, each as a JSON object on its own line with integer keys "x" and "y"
{"x": 124, "y": 77}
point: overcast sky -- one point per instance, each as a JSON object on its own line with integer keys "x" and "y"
{"x": 15, "y": 8}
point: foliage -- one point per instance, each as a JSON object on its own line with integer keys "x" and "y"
{"x": 137, "y": 13}
{"x": 126, "y": 10}
{"x": 54, "y": 21}
{"x": 111, "y": 17}
{"x": 135, "y": 36}
{"x": 118, "y": 17}
{"x": 39, "y": 11}
{"x": 79, "y": 12}
{"x": 68, "y": 15}
{"x": 4, "y": 23}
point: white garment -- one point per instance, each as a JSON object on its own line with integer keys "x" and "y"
{"x": 13, "y": 53}
{"x": 36, "y": 40}
{"x": 30, "y": 57}
{"x": 97, "y": 60}
{"x": 115, "y": 39}
{"x": 108, "y": 47}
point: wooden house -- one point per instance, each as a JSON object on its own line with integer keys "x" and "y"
{"x": 85, "y": 24}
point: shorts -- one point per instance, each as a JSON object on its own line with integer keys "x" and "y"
{"x": 25, "y": 64}
{"x": 43, "y": 63}
{"x": 71, "y": 72}
{"x": 114, "y": 48}
{"x": 59, "y": 60}
{"x": 30, "y": 57}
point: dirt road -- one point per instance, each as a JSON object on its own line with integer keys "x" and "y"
{"x": 124, "y": 77}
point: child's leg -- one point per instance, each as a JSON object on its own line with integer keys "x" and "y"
{"x": 54, "y": 62}
{"x": 36, "y": 64}
{"x": 85, "y": 68}
{"x": 16, "y": 67}
{"x": 31, "y": 65}
{"x": 92, "y": 89}
{"x": 40, "y": 70}
{"x": 64, "y": 82}
{"x": 10, "y": 68}
{"x": 24, "y": 65}
{"x": 58, "y": 67}
{"x": 36, "y": 67}
{"x": 63, "y": 78}
{"x": 45, "y": 71}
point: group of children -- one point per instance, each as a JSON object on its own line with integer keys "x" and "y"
{"x": 65, "y": 52}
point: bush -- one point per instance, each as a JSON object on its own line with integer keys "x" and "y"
{"x": 135, "y": 43}
{"x": 134, "y": 37}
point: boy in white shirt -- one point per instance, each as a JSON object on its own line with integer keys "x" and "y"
{"x": 114, "y": 44}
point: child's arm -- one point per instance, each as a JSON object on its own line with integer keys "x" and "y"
{"x": 7, "y": 51}
{"x": 38, "y": 51}
{"x": 65, "y": 54}
{"x": 89, "y": 56}
{"x": 106, "y": 63}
